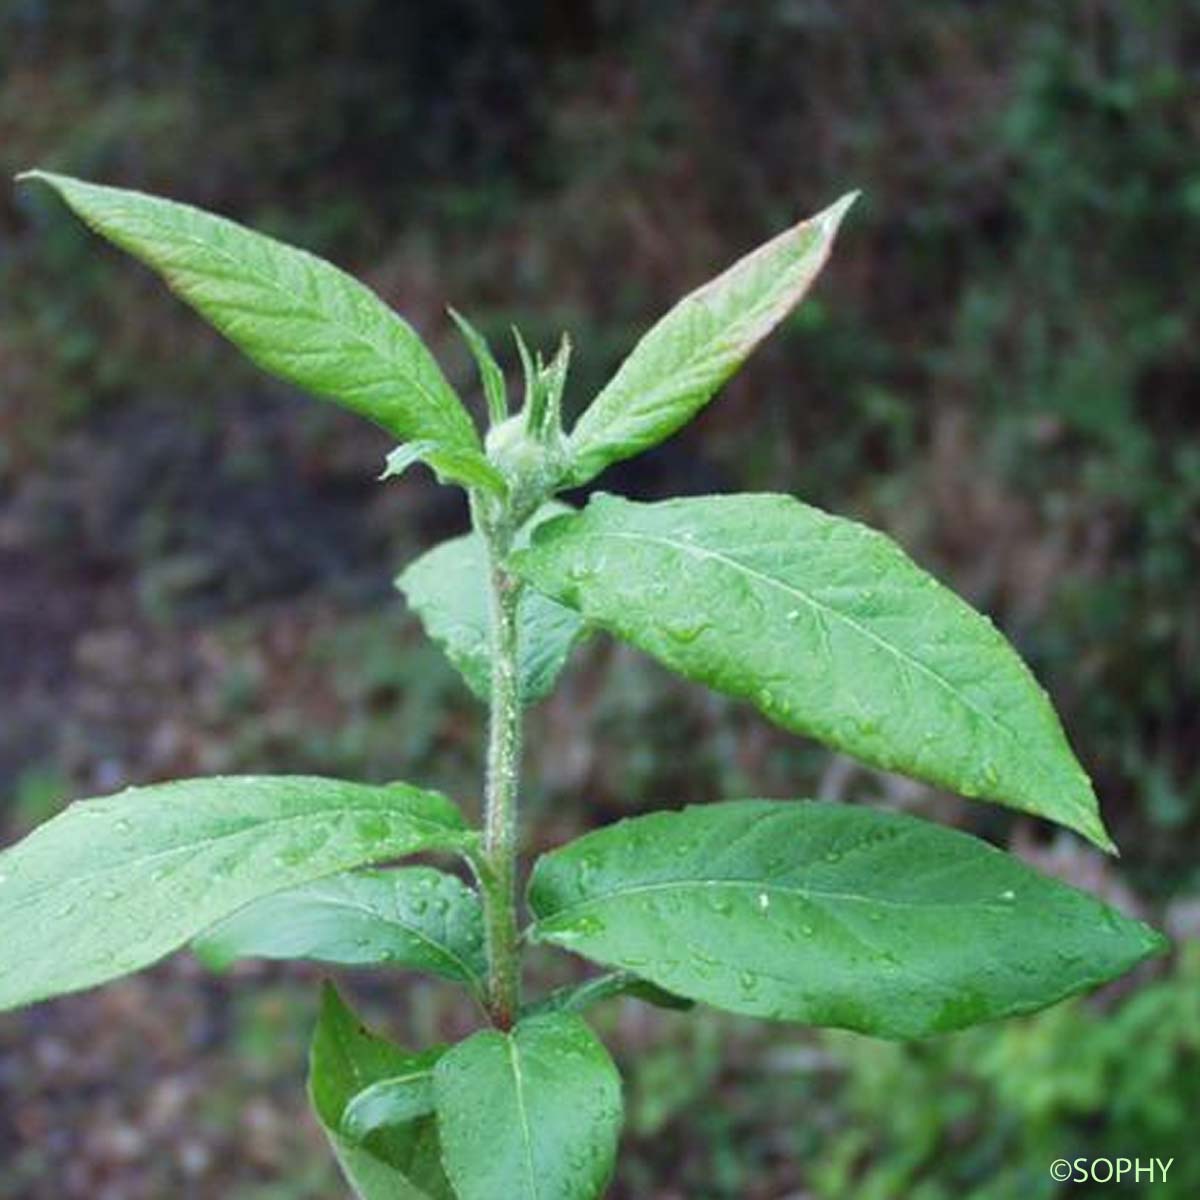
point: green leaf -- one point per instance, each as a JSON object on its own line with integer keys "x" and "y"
{"x": 829, "y": 629}
{"x": 464, "y": 467}
{"x": 397, "y": 1162}
{"x": 830, "y": 915}
{"x": 447, "y": 588}
{"x": 684, "y": 359}
{"x": 533, "y": 1114}
{"x": 490, "y": 374}
{"x": 417, "y": 918}
{"x": 111, "y": 885}
{"x": 294, "y": 314}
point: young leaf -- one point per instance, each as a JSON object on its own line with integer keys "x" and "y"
{"x": 464, "y": 467}
{"x": 447, "y": 588}
{"x": 830, "y": 630}
{"x": 830, "y": 915}
{"x": 418, "y": 918}
{"x": 397, "y": 1099}
{"x": 533, "y": 1114}
{"x": 578, "y": 997}
{"x": 392, "y": 1162}
{"x": 112, "y": 885}
{"x": 294, "y": 314}
{"x": 678, "y": 366}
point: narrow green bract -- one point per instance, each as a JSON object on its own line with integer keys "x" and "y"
{"x": 828, "y": 628}
{"x": 416, "y": 918}
{"x": 533, "y": 1114}
{"x": 831, "y": 915}
{"x": 113, "y": 884}
{"x": 678, "y": 366}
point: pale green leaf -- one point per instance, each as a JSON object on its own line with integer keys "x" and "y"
{"x": 830, "y": 915}
{"x": 533, "y": 1114}
{"x": 681, "y": 362}
{"x": 578, "y": 997}
{"x": 113, "y": 884}
{"x": 294, "y": 314}
{"x": 464, "y": 467}
{"x": 416, "y": 918}
{"x": 447, "y": 587}
{"x": 828, "y": 628}
{"x": 396, "y": 1162}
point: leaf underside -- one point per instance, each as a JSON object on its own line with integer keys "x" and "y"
{"x": 684, "y": 359}
{"x": 416, "y": 918}
{"x": 829, "y": 629}
{"x": 111, "y": 885}
{"x": 830, "y": 915}
{"x": 533, "y": 1114}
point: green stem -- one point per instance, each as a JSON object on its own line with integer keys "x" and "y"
{"x": 499, "y": 877}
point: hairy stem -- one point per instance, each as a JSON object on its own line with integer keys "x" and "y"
{"x": 499, "y": 877}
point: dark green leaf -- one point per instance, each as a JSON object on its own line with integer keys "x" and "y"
{"x": 828, "y": 628}
{"x": 448, "y": 589}
{"x": 111, "y": 885}
{"x": 529, "y": 1115}
{"x": 294, "y": 314}
{"x": 678, "y": 366}
{"x": 399, "y": 1162}
{"x": 830, "y": 915}
{"x": 417, "y": 918}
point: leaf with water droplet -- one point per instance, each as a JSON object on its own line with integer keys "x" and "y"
{"x": 361, "y": 918}
{"x": 849, "y": 891}
{"x": 533, "y": 1114}
{"x": 83, "y": 889}
{"x": 828, "y": 628}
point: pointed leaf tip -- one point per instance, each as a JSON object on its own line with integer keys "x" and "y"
{"x": 831, "y": 218}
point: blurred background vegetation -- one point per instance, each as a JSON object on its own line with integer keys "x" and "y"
{"x": 1000, "y": 367}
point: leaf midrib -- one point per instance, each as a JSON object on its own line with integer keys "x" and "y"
{"x": 514, "y": 1058}
{"x": 816, "y": 605}
{"x": 758, "y": 886}
{"x": 709, "y": 348}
